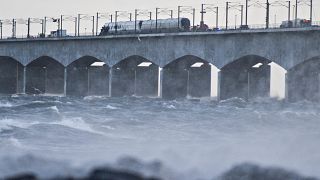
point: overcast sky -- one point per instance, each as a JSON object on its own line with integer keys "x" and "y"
{"x": 39, "y": 8}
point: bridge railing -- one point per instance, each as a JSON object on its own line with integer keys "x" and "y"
{"x": 193, "y": 29}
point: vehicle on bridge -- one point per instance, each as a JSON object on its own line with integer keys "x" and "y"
{"x": 146, "y": 26}
{"x": 298, "y": 23}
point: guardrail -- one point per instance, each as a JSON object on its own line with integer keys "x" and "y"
{"x": 193, "y": 29}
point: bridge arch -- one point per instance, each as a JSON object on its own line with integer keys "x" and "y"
{"x": 251, "y": 76}
{"x": 11, "y": 79}
{"x": 87, "y": 76}
{"x": 303, "y": 80}
{"x": 187, "y": 76}
{"x": 135, "y": 75}
{"x": 44, "y": 75}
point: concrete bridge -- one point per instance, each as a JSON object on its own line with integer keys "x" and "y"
{"x": 169, "y": 65}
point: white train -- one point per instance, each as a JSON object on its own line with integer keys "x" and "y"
{"x": 146, "y": 26}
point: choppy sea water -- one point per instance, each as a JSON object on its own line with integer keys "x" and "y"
{"x": 192, "y": 139}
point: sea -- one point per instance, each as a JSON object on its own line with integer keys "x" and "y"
{"x": 186, "y": 139}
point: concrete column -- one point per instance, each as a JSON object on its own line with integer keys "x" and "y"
{"x": 287, "y": 88}
{"x": 24, "y": 79}
{"x": 88, "y": 85}
{"x": 110, "y": 82}
{"x": 65, "y": 82}
{"x": 219, "y": 86}
{"x": 160, "y": 82}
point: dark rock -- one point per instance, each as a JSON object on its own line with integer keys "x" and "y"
{"x": 253, "y": 172}
{"x": 22, "y": 177}
{"x": 108, "y": 174}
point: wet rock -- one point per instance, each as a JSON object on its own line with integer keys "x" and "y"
{"x": 108, "y": 174}
{"x": 253, "y": 172}
{"x": 22, "y": 177}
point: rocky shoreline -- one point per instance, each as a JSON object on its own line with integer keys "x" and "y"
{"x": 244, "y": 171}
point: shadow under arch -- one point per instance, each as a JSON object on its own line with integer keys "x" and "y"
{"x": 186, "y": 76}
{"x": 135, "y": 75}
{"x": 45, "y": 75}
{"x": 11, "y": 79}
{"x": 246, "y": 77}
{"x": 303, "y": 81}
{"x": 87, "y": 76}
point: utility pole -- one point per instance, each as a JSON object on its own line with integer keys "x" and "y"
{"x": 61, "y": 19}
{"x": 157, "y": 9}
{"x": 135, "y": 20}
{"x": 289, "y": 9}
{"x": 92, "y": 25}
{"x": 130, "y": 16}
{"x": 75, "y": 26}
{"x": 97, "y": 24}
{"x": 111, "y": 18}
{"x": 171, "y": 14}
{"x": 202, "y": 15}
{"x": 116, "y": 21}
{"x": 217, "y": 17}
{"x": 179, "y": 10}
{"x": 268, "y": 14}
{"x": 0, "y": 29}
{"x": 45, "y": 26}
{"x": 13, "y": 28}
{"x": 194, "y": 18}
{"x": 79, "y": 24}
{"x": 241, "y": 6}
{"x": 28, "y": 35}
{"x": 150, "y": 14}
{"x": 311, "y": 11}
{"x": 42, "y": 27}
{"x": 246, "y": 12}
{"x": 227, "y": 14}
{"x": 296, "y": 14}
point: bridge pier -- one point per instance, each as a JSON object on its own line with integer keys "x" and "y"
{"x": 110, "y": 82}
{"x": 187, "y": 76}
{"x": 246, "y": 78}
{"x": 65, "y": 74}
{"x": 135, "y": 76}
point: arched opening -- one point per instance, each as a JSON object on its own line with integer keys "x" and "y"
{"x": 11, "y": 79}
{"x": 187, "y": 76}
{"x": 45, "y": 75}
{"x": 247, "y": 77}
{"x": 135, "y": 75}
{"x": 303, "y": 81}
{"x": 87, "y": 76}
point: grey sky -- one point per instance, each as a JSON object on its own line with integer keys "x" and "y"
{"x": 40, "y": 8}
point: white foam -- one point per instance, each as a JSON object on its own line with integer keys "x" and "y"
{"x": 77, "y": 123}
{"x": 55, "y": 108}
{"x": 111, "y": 107}
{"x": 6, "y": 124}
{"x": 5, "y": 104}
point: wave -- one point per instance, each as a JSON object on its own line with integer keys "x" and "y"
{"x": 77, "y": 123}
